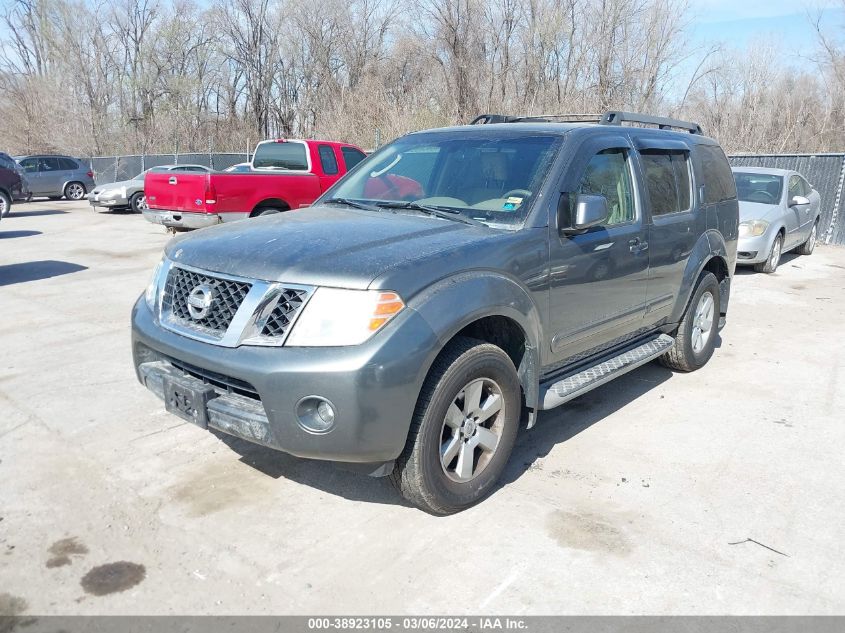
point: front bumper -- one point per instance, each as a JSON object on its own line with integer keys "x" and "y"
{"x": 753, "y": 250}
{"x": 100, "y": 200}
{"x": 189, "y": 220}
{"x": 373, "y": 387}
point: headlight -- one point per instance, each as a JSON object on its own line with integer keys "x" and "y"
{"x": 114, "y": 192}
{"x": 336, "y": 317}
{"x": 151, "y": 294}
{"x": 752, "y": 228}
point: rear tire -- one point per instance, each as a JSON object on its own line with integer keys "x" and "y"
{"x": 5, "y": 204}
{"x": 138, "y": 202}
{"x": 267, "y": 211}
{"x": 75, "y": 191}
{"x": 696, "y": 336}
{"x": 809, "y": 246}
{"x": 463, "y": 429}
{"x": 771, "y": 264}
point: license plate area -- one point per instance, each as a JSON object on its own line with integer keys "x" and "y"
{"x": 188, "y": 400}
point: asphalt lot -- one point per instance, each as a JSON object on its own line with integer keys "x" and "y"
{"x": 637, "y": 498}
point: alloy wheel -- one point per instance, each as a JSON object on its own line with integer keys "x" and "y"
{"x": 472, "y": 430}
{"x": 702, "y": 322}
{"x": 75, "y": 191}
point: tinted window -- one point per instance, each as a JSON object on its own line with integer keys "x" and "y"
{"x": 351, "y": 157}
{"x": 762, "y": 188}
{"x": 718, "y": 178}
{"x": 607, "y": 175}
{"x": 50, "y": 163}
{"x": 67, "y": 163}
{"x": 281, "y": 156}
{"x": 667, "y": 180}
{"x": 193, "y": 168}
{"x": 328, "y": 159}
{"x": 795, "y": 187}
{"x": 30, "y": 165}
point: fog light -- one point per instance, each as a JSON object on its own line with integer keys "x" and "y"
{"x": 315, "y": 414}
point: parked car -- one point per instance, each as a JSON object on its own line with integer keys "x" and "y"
{"x": 286, "y": 174}
{"x": 779, "y": 211}
{"x": 129, "y": 194}
{"x": 239, "y": 168}
{"x": 13, "y": 186}
{"x": 57, "y": 176}
{"x": 410, "y": 318}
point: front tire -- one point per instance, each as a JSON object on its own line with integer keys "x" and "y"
{"x": 696, "y": 336}
{"x": 138, "y": 202}
{"x": 809, "y": 246}
{"x": 771, "y": 264}
{"x": 5, "y": 204}
{"x": 463, "y": 430}
{"x": 75, "y": 191}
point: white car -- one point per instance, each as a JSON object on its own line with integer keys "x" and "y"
{"x": 778, "y": 212}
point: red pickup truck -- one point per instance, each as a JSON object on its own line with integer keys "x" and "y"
{"x": 285, "y": 174}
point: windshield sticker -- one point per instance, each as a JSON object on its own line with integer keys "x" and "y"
{"x": 512, "y": 203}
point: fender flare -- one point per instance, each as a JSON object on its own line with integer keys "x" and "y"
{"x": 271, "y": 203}
{"x": 475, "y": 295}
{"x": 709, "y": 245}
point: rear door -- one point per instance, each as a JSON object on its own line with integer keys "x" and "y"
{"x": 52, "y": 175}
{"x": 598, "y": 278}
{"x": 30, "y": 167}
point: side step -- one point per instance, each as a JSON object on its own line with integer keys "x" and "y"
{"x": 574, "y": 385}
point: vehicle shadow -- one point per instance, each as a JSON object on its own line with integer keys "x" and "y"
{"x": 33, "y": 271}
{"x": 553, "y": 428}
{"x": 786, "y": 258}
{"x": 6, "y": 235}
{"x": 15, "y": 213}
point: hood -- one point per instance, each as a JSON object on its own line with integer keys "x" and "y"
{"x": 324, "y": 246}
{"x": 757, "y": 211}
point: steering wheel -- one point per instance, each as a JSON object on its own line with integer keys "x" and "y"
{"x": 513, "y": 192}
{"x": 767, "y": 197}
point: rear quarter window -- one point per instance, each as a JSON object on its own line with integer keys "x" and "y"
{"x": 67, "y": 164}
{"x": 351, "y": 157}
{"x": 719, "y": 182}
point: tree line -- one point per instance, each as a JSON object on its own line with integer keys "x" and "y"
{"x": 100, "y": 77}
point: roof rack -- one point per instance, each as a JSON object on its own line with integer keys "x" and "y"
{"x": 613, "y": 117}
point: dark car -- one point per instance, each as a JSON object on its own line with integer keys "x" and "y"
{"x": 454, "y": 283}
{"x": 12, "y": 184}
{"x": 57, "y": 176}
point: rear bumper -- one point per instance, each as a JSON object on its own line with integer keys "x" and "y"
{"x": 186, "y": 220}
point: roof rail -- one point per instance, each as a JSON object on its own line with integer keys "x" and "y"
{"x": 612, "y": 117}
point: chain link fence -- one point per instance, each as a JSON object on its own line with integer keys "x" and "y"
{"x": 116, "y": 168}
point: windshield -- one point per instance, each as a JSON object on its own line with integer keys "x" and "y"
{"x": 762, "y": 188}
{"x": 142, "y": 174}
{"x": 487, "y": 178}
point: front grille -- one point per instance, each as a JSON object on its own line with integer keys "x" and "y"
{"x": 290, "y": 303}
{"x": 227, "y": 297}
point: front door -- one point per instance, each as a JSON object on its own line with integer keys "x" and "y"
{"x": 598, "y": 278}
{"x": 33, "y": 177}
{"x": 794, "y": 214}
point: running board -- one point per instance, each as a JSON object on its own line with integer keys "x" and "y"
{"x": 574, "y": 385}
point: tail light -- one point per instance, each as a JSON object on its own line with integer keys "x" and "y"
{"x": 210, "y": 193}
{"x": 90, "y": 174}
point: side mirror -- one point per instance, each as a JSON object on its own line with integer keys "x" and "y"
{"x": 798, "y": 201}
{"x": 589, "y": 211}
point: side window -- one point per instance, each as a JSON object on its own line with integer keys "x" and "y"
{"x": 667, "y": 180}
{"x": 808, "y": 188}
{"x": 67, "y": 164}
{"x": 30, "y": 165}
{"x": 608, "y": 174}
{"x": 719, "y": 182}
{"x": 351, "y": 157}
{"x": 328, "y": 159}
{"x": 49, "y": 164}
{"x": 795, "y": 187}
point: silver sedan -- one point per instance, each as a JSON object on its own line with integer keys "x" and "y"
{"x": 778, "y": 212}
{"x": 129, "y": 194}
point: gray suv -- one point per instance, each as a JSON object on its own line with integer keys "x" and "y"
{"x": 57, "y": 176}
{"x": 455, "y": 283}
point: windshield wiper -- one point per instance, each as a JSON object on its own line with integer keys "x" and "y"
{"x": 447, "y": 213}
{"x": 351, "y": 203}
